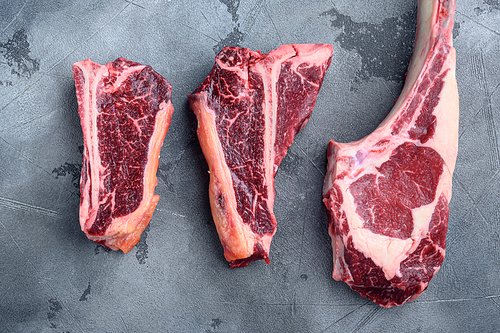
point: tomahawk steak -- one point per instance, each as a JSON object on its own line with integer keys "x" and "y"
{"x": 387, "y": 195}
{"x": 125, "y": 111}
{"x": 249, "y": 109}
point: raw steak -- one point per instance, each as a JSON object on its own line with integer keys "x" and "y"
{"x": 387, "y": 195}
{"x": 249, "y": 109}
{"x": 125, "y": 111}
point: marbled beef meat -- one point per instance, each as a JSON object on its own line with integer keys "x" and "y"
{"x": 125, "y": 111}
{"x": 249, "y": 109}
{"x": 387, "y": 195}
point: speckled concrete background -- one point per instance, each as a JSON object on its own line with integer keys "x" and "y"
{"x": 52, "y": 279}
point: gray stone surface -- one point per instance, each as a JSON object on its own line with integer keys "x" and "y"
{"x": 53, "y": 279}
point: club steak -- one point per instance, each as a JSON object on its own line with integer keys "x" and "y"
{"x": 249, "y": 109}
{"x": 387, "y": 195}
{"x": 125, "y": 111}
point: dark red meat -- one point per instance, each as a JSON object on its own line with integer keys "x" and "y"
{"x": 387, "y": 195}
{"x": 125, "y": 111}
{"x": 249, "y": 109}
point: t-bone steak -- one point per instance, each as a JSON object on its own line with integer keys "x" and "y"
{"x": 387, "y": 195}
{"x": 249, "y": 109}
{"x": 125, "y": 111}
